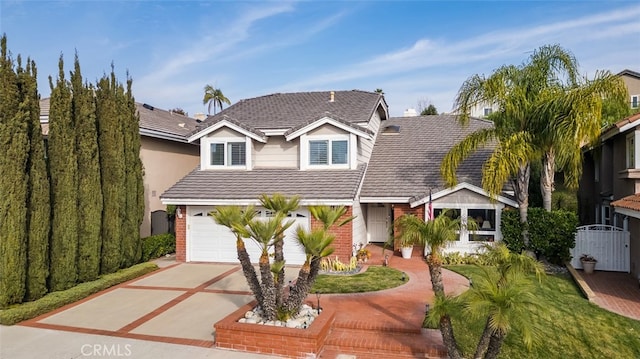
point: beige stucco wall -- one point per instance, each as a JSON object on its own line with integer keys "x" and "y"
{"x": 633, "y": 85}
{"x": 276, "y": 153}
{"x": 165, "y": 163}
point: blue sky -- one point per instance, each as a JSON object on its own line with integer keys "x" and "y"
{"x": 416, "y": 51}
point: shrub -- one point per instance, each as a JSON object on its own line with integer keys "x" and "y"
{"x": 157, "y": 246}
{"x": 54, "y": 300}
{"x": 511, "y": 229}
{"x": 552, "y": 234}
{"x": 455, "y": 258}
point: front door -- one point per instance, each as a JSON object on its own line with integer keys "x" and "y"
{"x": 378, "y": 223}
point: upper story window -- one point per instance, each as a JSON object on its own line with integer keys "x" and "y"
{"x": 635, "y": 101}
{"x": 487, "y": 111}
{"x": 228, "y": 154}
{"x": 631, "y": 150}
{"x": 328, "y": 152}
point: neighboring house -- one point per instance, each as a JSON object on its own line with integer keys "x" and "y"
{"x": 319, "y": 145}
{"x": 632, "y": 80}
{"x": 610, "y": 182}
{"x": 404, "y": 175}
{"x": 165, "y": 153}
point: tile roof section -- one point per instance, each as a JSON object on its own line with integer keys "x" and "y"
{"x": 407, "y": 164}
{"x": 248, "y": 185}
{"x": 151, "y": 118}
{"x": 239, "y": 124}
{"x": 288, "y": 110}
{"x": 614, "y": 128}
{"x": 630, "y": 202}
{"x": 333, "y": 117}
{"x": 169, "y": 122}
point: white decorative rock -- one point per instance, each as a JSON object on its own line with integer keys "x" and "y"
{"x": 242, "y": 320}
{"x": 251, "y": 321}
{"x": 248, "y": 314}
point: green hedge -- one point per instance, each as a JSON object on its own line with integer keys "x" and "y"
{"x": 54, "y": 300}
{"x": 551, "y": 234}
{"x": 157, "y": 246}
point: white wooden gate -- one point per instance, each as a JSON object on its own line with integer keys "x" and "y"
{"x": 608, "y": 244}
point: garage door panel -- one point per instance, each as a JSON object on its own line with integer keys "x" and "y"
{"x": 209, "y": 242}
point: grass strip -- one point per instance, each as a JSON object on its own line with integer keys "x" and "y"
{"x": 374, "y": 279}
{"x": 20, "y": 312}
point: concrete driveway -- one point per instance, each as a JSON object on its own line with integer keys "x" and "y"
{"x": 176, "y": 305}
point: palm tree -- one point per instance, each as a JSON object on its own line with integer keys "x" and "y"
{"x": 519, "y": 92}
{"x": 228, "y": 216}
{"x": 435, "y": 234}
{"x": 269, "y": 235}
{"x": 504, "y": 295}
{"x": 214, "y": 96}
{"x": 570, "y": 119}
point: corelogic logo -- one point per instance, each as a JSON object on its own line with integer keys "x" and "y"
{"x": 106, "y": 350}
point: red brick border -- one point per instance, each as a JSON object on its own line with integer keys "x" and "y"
{"x": 289, "y": 342}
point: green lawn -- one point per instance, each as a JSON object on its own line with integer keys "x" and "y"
{"x": 374, "y": 279}
{"x": 571, "y": 326}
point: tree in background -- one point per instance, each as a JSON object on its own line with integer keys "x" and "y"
{"x": 134, "y": 187}
{"x": 380, "y": 91}
{"x": 89, "y": 191}
{"x": 14, "y": 141}
{"x": 179, "y": 111}
{"x": 38, "y": 200}
{"x": 426, "y": 107}
{"x": 214, "y": 96}
{"x": 63, "y": 165}
{"x": 112, "y": 162}
{"x": 430, "y": 110}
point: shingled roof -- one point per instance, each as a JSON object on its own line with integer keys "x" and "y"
{"x": 154, "y": 122}
{"x": 161, "y": 122}
{"x": 406, "y": 160}
{"x": 289, "y": 110}
{"x": 242, "y": 185}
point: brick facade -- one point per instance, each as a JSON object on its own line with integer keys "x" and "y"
{"x": 344, "y": 236}
{"x": 181, "y": 234}
{"x": 405, "y": 208}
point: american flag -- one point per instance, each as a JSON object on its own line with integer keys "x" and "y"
{"x": 430, "y": 215}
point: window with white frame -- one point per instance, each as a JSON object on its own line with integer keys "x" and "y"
{"x": 486, "y": 223}
{"x": 325, "y": 152}
{"x": 228, "y": 154}
{"x": 487, "y": 111}
{"x": 635, "y": 101}
{"x": 631, "y": 150}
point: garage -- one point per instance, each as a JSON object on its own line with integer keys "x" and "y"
{"x": 209, "y": 242}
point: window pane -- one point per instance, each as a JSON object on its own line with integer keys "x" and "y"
{"x": 237, "y": 154}
{"x": 339, "y": 152}
{"x": 318, "y": 152}
{"x": 217, "y": 154}
{"x": 484, "y": 218}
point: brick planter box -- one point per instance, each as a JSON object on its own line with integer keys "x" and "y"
{"x": 264, "y": 339}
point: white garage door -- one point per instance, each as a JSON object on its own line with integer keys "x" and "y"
{"x": 209, "y": 242}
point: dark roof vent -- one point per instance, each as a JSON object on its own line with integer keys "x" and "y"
{"x": 391, "y": 130}
{"x": 148, "y": 107}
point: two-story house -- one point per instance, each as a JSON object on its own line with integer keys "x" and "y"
{"x": 332, "y": 148}
{"x": 609, "y": 190}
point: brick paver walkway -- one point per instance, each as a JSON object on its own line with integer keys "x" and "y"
{"x": 616, "y": 292}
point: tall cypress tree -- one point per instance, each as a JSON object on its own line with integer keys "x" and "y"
{"x": 14, "y": 143}
{"x": 111, "y": 146}
{"x": 64, "y": 185}
{"x": 89, "y": 191}
{"x": 134, "y": 188}
{"x": 38, "y": 200}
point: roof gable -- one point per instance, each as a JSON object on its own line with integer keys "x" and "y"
{"x": 226, "y": 121}
{"x": 419, "y": 200}
{"x": 330, "y": 119}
